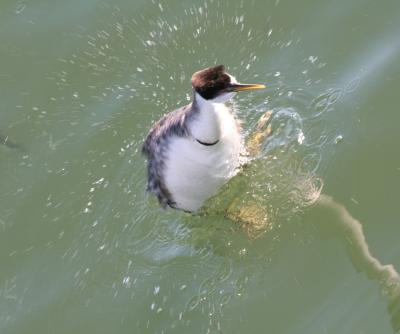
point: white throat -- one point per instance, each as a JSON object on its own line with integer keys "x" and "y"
{"x": 207, "y": 127}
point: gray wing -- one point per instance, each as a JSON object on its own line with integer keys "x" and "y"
{"x": 155, "y": 148}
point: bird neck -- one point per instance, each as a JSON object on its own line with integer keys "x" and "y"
{"x": 201, "y": 103}
{"x": 206, "y": 126}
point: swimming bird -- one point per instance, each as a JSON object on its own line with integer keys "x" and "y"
{"x": 192, "y": 151}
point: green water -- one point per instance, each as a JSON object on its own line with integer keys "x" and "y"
{"x": 83, "y": 249}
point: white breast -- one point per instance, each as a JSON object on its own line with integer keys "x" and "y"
{"x": 194, "y": 172}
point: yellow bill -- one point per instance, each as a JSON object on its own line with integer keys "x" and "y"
{"x": 242, "y": 87}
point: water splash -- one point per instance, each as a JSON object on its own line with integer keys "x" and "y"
{"x": 282, "y": 179}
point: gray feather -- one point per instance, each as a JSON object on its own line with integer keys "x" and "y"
{"x": 156, "y": 145}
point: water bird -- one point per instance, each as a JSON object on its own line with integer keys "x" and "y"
{"x": 192, "y": 151}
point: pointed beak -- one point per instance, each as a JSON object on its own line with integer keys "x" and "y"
{"x": 242, "y": 87}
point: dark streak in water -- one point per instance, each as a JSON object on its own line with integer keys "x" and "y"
{"x": 342, "y": 224}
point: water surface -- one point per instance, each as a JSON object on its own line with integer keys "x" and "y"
{"x": 82, "y": 247}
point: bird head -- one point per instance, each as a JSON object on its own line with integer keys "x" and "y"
{"x": 216, "y": 85}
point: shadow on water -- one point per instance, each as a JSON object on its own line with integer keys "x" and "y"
{"x": 329, "y": 218}
{"x": 332, "y": 220}
{"x": 335, "y": 220}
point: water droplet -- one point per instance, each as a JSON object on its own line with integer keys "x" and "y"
{"x": 312, "y": 59}
{"x": 126, "y": 281}
{"x": 338, "y": 139}
{"x": 300, "y": 137}
{"x": 354, "y": 200}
